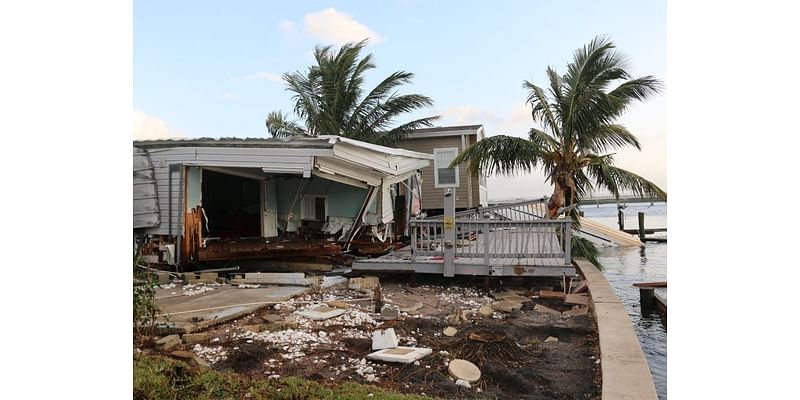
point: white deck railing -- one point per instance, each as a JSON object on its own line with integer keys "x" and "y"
{"x": 494, "y": 238}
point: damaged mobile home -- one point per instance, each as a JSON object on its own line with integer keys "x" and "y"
{"x": 213, "y": 201}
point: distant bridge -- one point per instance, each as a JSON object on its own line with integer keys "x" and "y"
{"x": 623, "y": 199}
{"x": 591, "y": 200}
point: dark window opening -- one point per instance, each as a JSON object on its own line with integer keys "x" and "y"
{"x": 232, "y": 205}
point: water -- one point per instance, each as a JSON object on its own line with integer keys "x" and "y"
{"x": 626, "y": 266}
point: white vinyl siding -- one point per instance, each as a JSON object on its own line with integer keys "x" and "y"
{"x": 445, "y": 177}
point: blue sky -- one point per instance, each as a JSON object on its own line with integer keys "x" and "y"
{"x": 212, "y": 68}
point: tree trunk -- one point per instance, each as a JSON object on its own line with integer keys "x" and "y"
{"x": 556, "y": 201}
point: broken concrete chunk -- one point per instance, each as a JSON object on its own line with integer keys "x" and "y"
{"x": 322, "y": 313}
{"x": 384, "y": 339}
{"x": 485, "y": 311}
{"x": 365, "y": 283}
{"x": 271, "y": 318}
{"x": 338, "y": 304}
{"x": 194, "y": 338}
{"x": 463, "y": 383}
{"x": 252, "y": 328}
{"x": 208, "y": 277}
{"x": 551, "y": 339}
{"x": 450, "y": 331}
{"x": 168, "y": 342}
{"x": 404, "y": 355}
{"x": 545, "y": 309}
{"x": 463, "y": 369}
{"x": 389, "y": 313}
{"x": 506, "y": 306}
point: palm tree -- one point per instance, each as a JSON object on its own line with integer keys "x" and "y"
{"x": 329, "y": 100}
{"x": 577, "y": 114}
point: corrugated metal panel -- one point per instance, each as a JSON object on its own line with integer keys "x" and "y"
{"x": 145, "y": 197}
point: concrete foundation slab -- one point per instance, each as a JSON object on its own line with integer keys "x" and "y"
{"x": 189, "y": 314}
{"x": 321, "y": 313}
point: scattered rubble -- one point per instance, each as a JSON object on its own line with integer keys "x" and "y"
{"x": 498, "y": 332}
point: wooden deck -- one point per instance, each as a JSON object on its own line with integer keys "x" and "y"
{"x": 512, "y": 252}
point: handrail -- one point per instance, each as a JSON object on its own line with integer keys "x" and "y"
{"x": 489, "y": 239}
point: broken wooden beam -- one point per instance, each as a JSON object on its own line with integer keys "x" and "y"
{"x": 549, "y": 294}
{"x": 650, "y": 284}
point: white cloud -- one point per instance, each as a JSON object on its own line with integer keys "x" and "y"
{"x": 260, "y": 76}
{"x": 146, "y": 127}
{"x": 338, "y": 28}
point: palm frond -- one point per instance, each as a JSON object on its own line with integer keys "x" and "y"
{"x": 501, "y": 154}
{"x": 608, "y": 137}
{"x": 584, "y": 248}
{"x": 617, "y": 179}
{"x": 279, "y": 126}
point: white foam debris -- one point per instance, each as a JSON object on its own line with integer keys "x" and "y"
{"x": 199, "y": 288}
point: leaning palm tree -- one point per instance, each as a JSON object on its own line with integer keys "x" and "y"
{"x": 577, "y": 115}
{"x": 329, "y": 100}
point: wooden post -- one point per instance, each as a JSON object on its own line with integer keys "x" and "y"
{"x": 641, "y": 226}
{"x": 621, "y": 219}
{"x": 647, "y": 299}
{"x": 580, "y": 213}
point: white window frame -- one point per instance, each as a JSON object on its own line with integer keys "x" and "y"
{"x": 305, "y": 211}
{"x": 436, "y": 184}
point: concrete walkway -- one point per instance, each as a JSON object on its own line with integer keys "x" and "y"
{"x": 224, "y": 304}
{"x": 626, "y": 374}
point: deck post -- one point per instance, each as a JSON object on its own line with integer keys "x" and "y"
{"x": 641, "y": 226}
{"x": 449, "y": 234}
{"x": 621, "y": 219}
{"x": 568, "y": 241}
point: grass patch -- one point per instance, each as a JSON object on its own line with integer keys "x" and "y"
{"x": 158, "y": 377}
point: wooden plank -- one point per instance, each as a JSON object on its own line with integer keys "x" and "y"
{"x": 650, "y": 284}
{"x": 582, "y": 287}
{"x": 549, "y": 294}
{"x": 577, "y": 299}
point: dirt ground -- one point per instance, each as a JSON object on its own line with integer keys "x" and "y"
{"x": 508, "y": 348}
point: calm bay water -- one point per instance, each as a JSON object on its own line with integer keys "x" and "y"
{"x": 626, "y": 266}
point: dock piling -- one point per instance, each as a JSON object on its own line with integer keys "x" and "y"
{"x": 641, "y": 226}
